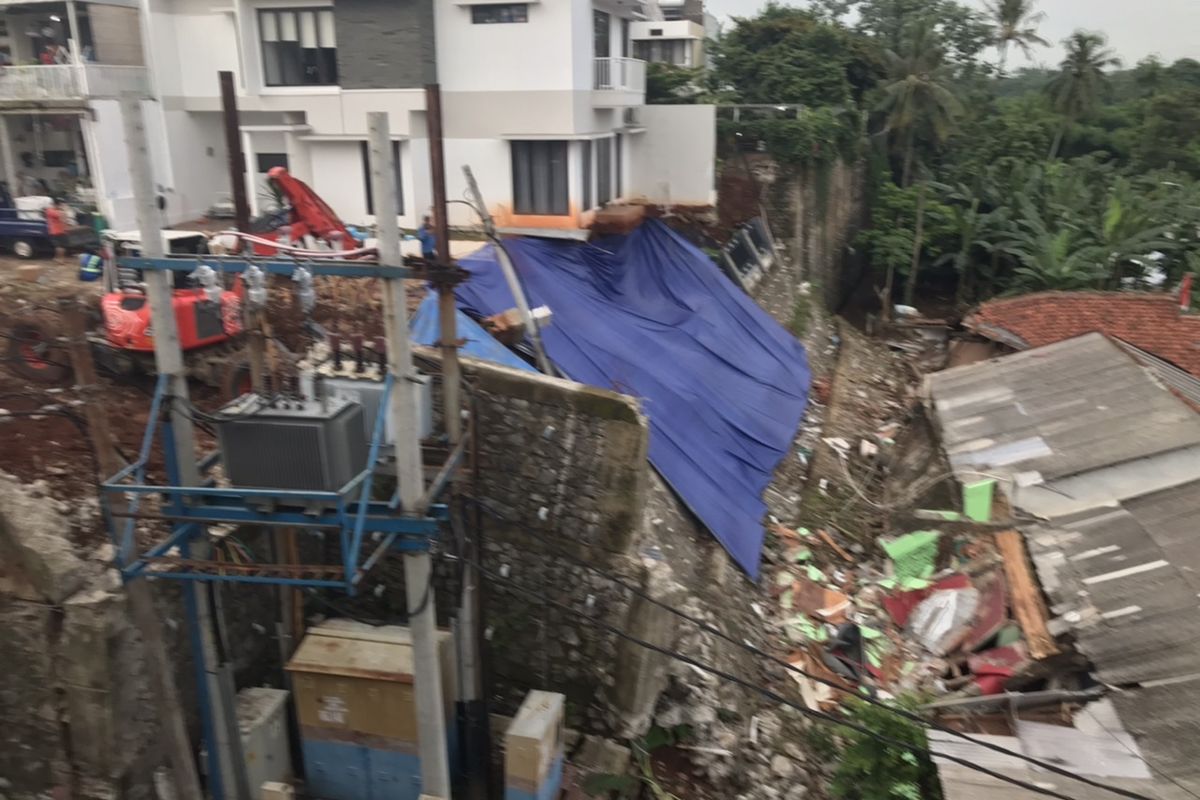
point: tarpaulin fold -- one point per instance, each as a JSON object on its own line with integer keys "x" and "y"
{"x": 423, "y": 329}
{"x": 650, "y": 315}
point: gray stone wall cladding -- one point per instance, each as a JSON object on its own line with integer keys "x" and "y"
{"x": 562, "y": 470}
{"x": 385, "y": 44}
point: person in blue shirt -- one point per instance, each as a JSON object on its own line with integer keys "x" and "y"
{"x": 427, "y": 238}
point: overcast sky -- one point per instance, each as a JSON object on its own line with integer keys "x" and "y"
{"x": 1170, "y": 28}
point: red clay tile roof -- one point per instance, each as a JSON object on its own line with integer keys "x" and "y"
{"x": 1149, "y": 321}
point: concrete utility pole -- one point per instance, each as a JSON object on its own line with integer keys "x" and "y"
{"x": 221, "y": 731}
{"x": 418, "y": 569}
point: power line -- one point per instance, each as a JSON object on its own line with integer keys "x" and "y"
{"x": 707, "y": 628}
{"x": 780, "y": 699}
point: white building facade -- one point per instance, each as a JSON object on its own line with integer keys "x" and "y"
{"x": 542, "y": 99}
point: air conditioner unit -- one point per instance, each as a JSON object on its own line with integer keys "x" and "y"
{"x": 298, "y": 444}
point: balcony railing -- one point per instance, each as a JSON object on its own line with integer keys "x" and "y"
{"x": 72, "y": 82}
{"x": 620, "y": 75}
{"x": 113, "y": 80}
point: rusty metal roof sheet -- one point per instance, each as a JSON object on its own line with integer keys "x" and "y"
{"x": 1060, "y": 410}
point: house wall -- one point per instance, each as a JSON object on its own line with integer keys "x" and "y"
{"x": 533, "y": 56}
{"x": 674, "y": 161}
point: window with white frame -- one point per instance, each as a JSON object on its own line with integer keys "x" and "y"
{"x": 499, "y": 13}
{"x": 540, "y": 182}
{"x": 298, "y": 46}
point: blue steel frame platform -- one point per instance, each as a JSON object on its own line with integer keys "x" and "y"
{"x": 348, "y": 512}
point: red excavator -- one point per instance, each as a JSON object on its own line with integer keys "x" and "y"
{"x": 209, "y": 331}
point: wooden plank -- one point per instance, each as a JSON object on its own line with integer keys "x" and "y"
{"x": 1025, "y": 595}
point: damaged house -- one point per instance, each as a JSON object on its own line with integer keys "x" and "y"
{"x": 1099, "y": 465}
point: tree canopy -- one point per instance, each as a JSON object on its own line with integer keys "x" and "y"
{"x": 1083, "y": 176}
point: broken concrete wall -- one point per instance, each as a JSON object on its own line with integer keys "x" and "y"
{"x": 567, "y": 485}
{"x": 562, "y": 471}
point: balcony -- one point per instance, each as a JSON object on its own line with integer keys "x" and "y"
{"x": 71, "y": 84}
{"x": 618, "y": 82}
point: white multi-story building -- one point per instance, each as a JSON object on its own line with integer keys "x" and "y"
{"x": 674, "y": 32}
{"x": 541, "y": 98}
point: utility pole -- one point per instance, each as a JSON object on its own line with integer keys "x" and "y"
{"x": 402, "y": 408}
{"x": 447, "y": 309}
{"x": 252, "y": 322}
{"x": 226, "y": 771}
{"x": 233, "y": 147}
{"x": 141, "y": 604}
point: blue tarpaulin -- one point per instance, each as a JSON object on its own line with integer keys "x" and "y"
{"x": 650, "y": 315}
{"x": 476, "y": 341}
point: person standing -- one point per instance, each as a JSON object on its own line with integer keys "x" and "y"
{"x": 428, "y": 239}
{"x": 56, "y": 226}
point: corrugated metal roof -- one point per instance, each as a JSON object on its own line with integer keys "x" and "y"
{"x": 1126, "y": 580}
{"x": 962, "y": 783}
{"x": 1119, "y": 557}
{"x": 1059, "y": 410}
{"x": 1188, "y": 386}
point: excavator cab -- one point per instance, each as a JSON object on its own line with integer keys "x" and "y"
{"x": 126, "y": 310}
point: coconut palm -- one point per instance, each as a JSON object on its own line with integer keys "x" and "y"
{"x": 916, "y": 93}
{"x": 1016, "y": 25}
{"x": 1077, "y": 87}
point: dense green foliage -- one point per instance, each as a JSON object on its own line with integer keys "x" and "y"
{"x": 1085, "y": 176}
{"x": 870, "y": 769}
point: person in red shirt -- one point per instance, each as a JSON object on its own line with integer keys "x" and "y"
{"x": 56, "y": 226}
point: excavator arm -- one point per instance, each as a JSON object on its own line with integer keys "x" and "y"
{"x": 310, "y": 215}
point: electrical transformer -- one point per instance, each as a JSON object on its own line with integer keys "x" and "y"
{"x": 354, "y": 372}
{"x": 291, "y": 443}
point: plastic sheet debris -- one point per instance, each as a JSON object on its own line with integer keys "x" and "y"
{"x": 943, "y": 619}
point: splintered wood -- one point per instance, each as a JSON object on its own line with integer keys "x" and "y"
{"x": 1025, "y": 595}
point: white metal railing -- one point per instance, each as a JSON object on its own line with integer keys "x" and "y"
{"x": 41, "y": 82}
{"x": 620, "y": 75}
{"x": 72, "y": 81}
{"x": 112, "y": 80}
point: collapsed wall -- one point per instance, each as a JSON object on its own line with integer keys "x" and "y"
{"x": 571, "y": 503}
{"x": 814, "y": 210}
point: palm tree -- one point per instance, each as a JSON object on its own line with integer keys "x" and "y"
{"x": 1016, "y": 24}
{"x": 916, "y": 93}
{"x": 1075, "y": 90}
{"x": 974, "y": 227}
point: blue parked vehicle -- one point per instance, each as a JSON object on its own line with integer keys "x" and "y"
{"x": 25, "y": 235}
